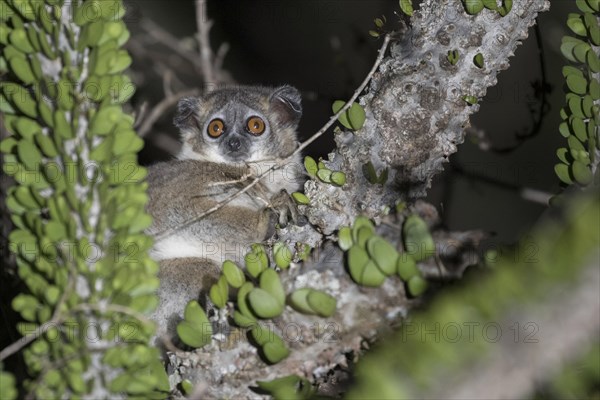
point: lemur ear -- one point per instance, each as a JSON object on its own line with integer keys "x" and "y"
{"x": 286, "y": 102}
{"x": 185, "y": 114}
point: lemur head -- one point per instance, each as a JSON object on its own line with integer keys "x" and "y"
{"x": 242, "y": 124}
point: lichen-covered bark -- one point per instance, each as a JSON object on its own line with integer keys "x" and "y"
{"x": 416, "y": 117}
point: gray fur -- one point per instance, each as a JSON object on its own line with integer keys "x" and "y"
{"x": 206, "y": 173}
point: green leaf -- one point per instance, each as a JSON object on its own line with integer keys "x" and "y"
{"x": 21, "y": 98}
{"x": 587, "y": 106}
{"x": 417, "y": 239}
{"x": 567, "y": 46}
{"x": 311, "y": 166}
{"x": 490, "y": 4}
{"x": 299, "y": 301}
{"x": 52, "y": 295}
{"x": 353, "y": 118}
{"x": 363, "y": 235}
{"x": 563, "y": 128}
{"x": 264, "y": 304}
{"x": 275, "y": 351}
{"x": 195, "y": 330}
{"x": 406, "y": 267}
{"x": 575, "y": 23}
{"x": 593, "y": 62}
{"x": 406, "y": 7}
{"x": 195, "y": 315}
{"x": 255, "y": 263}
{"x": 356, "y": 116}
{"x": 187, "y": 387}
{"x": 361, "y": 222}
{"x": 8, "y": 389}
{"x": 322, "y": 303}
{"x": 22, "y": 69}
{"x": 584, "y": 6}
{"x": 417, "y": 286}
{"x": 26, "y": 198}
{"x": 300, "y": 198}
{"x": 575, "y": 144}
{"x": 324, "y": 175}
{"x": 234, "y": 275}
{"x": 27, "y": 128}
{"x": 471, "y": 100}
{"x": 578, "y": 128}
{"x": 562, "y": 171}
{"x": 189, "y": 335}
{"x": 505, "y": 8}
{"x": 562, "y": 154}
{"x": 105, "y": 120}
{"x": 473, "y": 6}
{"x": 242, "y": 320}
{"x": 287, "y": 387}
{"x": 261, "y": 335}
{"x": 76, "y": 383}
{"x": 591, "y": 23}
{"x": 242, "y": 300}
{"x": 478, "y": 59}
{"x": 383, "y": 253}
{"x": 575, "y": 106}
{"x": 18, "y": 38}
{"x": 29, "y": 155}
{"x": 571, "y": 70}
{"x": 62, "y": 127}
{"x": 338, "y": 177}
{"x": 577, "y": 84}
{"x": 345, "y": 238}
{"x": 581, "y": 173}
{"x": 282, "y": 255}
{"x": 273, "y": 347}
{"x": 453, "y": 56}
{"x": 219, "y": 292}
{"x": 270, "y": 282}
{"x": 580, "y": 51}
{"x": 343, "y": 118}
{"x": 370, "y": 173}
{"x": 46, "y": 145}
{"x": 372, "y": 276}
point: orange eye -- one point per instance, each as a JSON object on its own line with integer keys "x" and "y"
{"x": 216, "y": 128}
{"x": 255, "y": 125}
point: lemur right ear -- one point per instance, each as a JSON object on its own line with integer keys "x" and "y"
{"x": 185, "y": 114}
{"x": 286, "y": 101}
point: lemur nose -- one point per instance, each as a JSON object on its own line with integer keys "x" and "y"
{"x": 234, "y": 144}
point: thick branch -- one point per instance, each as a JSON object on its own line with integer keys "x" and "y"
{"x": 416, "y": 115}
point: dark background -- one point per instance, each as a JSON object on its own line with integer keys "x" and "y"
{"x": 324, "y": 49}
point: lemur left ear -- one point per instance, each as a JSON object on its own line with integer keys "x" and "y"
{"x": 287, "y": 103}
{"x": 185, "y": 114}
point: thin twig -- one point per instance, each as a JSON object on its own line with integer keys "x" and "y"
{"x": 206, "y": 54}
{"x": 167, "y": 83}
{"x": 158, "y": 33}
{"x": 221, "y": 53}
{"x": 357, "y": 92}
{"x": 167, "y": 232}
{"x": 159, "y": 109}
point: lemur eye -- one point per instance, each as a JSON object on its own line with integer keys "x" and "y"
{"x": 255, "y": 125}
{"x": 216, "y": 128}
